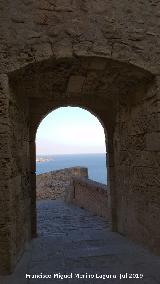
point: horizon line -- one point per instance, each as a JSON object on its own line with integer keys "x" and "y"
{"x": 70, "y": 154}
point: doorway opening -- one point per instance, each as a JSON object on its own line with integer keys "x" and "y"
{"x": 70, "y": 145}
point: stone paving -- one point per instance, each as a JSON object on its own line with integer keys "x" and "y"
{"x": 73, "y": 242}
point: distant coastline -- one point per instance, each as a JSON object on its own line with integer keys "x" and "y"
{"x": 42, "y": 160}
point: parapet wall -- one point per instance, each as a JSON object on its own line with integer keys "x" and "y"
{"x": 54, "y": 184}
{"x": 90, "y": 195}
{"x": 73, "y": 185}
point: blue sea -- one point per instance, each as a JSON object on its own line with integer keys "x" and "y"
{"x": 96, "y": 164}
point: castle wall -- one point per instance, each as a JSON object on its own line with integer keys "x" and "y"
{"x": 90, "y": 195}
{"x": 137, "y": 168}
{"x": 57, "y": 184}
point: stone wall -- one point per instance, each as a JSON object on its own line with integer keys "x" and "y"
{"x": 35, "y": 30}
{"x": 137, "y": 168}
{"x": 14, "y": 176}
{"x": 56, "y": 184}
{"x": 90, "y": 195}
{"x": 20, "y": 176}
{"x": 6, "y": 220}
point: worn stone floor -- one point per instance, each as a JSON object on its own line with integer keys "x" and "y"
{"x": 74, "y": 242}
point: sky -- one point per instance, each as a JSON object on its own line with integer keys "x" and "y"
{"x": 70, "y": 130}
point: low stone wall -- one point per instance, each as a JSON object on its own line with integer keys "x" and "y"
{"x": 73, "y": 185}
{"x": 90, "y": 195}
{"x": 57, "y": 184}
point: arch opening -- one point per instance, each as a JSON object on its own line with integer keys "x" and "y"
{"x": 75, "y": 149}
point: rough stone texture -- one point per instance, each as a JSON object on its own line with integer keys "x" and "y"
{"x": 90, "y": 195}
{"x": 56, "y": 184}
{"x": 99, "y": 55}
{"x": 7, "y": 234}
{"x": 137, "y": 164}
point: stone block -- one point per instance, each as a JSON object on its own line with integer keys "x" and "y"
{"x": 153, "y": 141}
{"x": 63, "y": 49}
{"x": 5, "y": 168}
{"x": 4, "y": 146}
{"x": 15, "y": 183}
{"x": 4, "y": 104}
{"x": 91, "y": 83}
{"x": 43, "y": 51}
{"x": 98, "y": 64}
{"x": 65, "y": 6}
{"x": 75, "y": 84}
{"x": 3, "y": 85}
{"x": 145, "y": 177}
{"x": 139, "y": 158}
{"x": 4, "y": 126}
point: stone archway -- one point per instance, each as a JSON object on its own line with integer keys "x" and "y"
{"x": 81, "y": 169}
{"x": 122, "y": 96}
